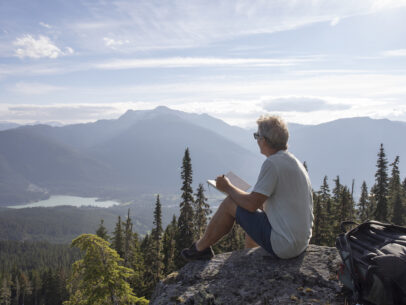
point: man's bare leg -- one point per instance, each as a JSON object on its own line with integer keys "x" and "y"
{"x": 219, "y": 225}
{"x": 249, "y": 242}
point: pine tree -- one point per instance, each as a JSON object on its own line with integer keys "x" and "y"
{"x": 327, "y": 221}
{"x": 336, "y": 205}
{"x": 5, "y": 291}
{"x": 17, "y": 289}
{"x": 118, "y": 238}
{"x": 381, "y": 187}
{"x": 102, "y": 231}
{"x": 147, "y": 250}
{"x": 398, "y": 210}
{"x": 346, "y": 206}
{"x": 363, "y": 204}
{"x": 233, "y": 241}
{"x": 337, "y": 191}
{"x": 202, "y": 212}
{"x": 26, "y": 287}
{"x": 138, "y": 265}
{"x": 156, "y": 236}
{"x": 395, "y": 194}
{"x": 305, "y": 166}
{"x": 99, "y": 278}
{"x": 169, "y": 247}
{"x": 325, "y": 190}
{"x": 36, "y": 283}
{"x": 51, "y": 288}
{"x": 128, "y": 240}
{"x": 185, "y": 235}
{"x": 316, "y": 236}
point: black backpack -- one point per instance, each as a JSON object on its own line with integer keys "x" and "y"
{"x": 374, "y": 262}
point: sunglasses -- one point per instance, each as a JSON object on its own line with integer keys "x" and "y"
{"x": 256, "y": 135}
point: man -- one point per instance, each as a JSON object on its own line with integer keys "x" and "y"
{"x": 277, "y": 214}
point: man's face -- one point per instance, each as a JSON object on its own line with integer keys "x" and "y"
{"x": 260, "y": 141}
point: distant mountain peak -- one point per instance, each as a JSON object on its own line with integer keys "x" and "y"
{"x": 163, "y": 108}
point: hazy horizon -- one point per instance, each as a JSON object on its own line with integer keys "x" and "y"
{"x": 249, "y": 127}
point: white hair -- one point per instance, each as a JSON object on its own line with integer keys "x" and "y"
{"x": 275, "y": 131}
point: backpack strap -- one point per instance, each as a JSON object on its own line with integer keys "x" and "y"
{"x": 345, "y": 243}
{"x": 347, "y": 223}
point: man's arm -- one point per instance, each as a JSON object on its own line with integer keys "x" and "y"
{"x": 249, "y": 201}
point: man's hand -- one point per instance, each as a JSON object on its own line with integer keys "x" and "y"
{"x": 223, "y": 183}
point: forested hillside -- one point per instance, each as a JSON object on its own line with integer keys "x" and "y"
{"x": 38, "y": 272}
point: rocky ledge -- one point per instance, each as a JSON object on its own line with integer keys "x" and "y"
{"x": 254, "y": 277}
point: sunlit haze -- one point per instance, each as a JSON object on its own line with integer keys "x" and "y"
{"x": 309, "y": 61}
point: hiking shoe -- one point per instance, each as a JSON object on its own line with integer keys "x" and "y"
{"x": 191, "y": 254}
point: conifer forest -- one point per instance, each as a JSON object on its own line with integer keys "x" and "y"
{"x": 122, "y": 267}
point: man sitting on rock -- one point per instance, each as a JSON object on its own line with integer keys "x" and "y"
{"x": 277, "y": 214}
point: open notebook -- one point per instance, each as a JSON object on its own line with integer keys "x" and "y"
{"x": 235, "y": 180}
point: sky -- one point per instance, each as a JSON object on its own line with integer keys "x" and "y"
{"x": 309, "y": 61}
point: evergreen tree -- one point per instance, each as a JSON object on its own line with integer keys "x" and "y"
{"x": 316, "y": 236}
{"x": 185, "y": 233}
{"x": 138, "y": 265}
{"x": 202, "y": 212}
{"x": 51, "y": 288}
{"x": 327, "y": 221}
{"x": 346, "y": 206}
{"x": 337, "y": 190}
{"x": 363, "y": 204}
{"x": 128, "y": 240}
{"x": 156, "y": 236}
{"x": 233, "y": 241}
{"x": 17, "y": 289}
{"x": 102, "y": 231}
{"x": 145, "y": 243}
{"x": 147, "y": 249}
{"x": 381, "y": 187}
{"x": 36, "y": 285}
{"x": 395, "y": 194}
{"x": 398, "y": 210}
{"x": 325, "y": 190}
{"x": 394, "y": 181}
{"x": 99, "y": 278}
{"x": 336, "y": 206}
{"x": 26, "y": 288}
{"x": 169, "y": 247}
{"x": 331, "y": 237}
{"x": 5, "y": 291}
{"x": 118, "y": 238}
{"x": 305, "y": 166}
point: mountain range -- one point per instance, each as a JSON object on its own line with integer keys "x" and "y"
{"x": 141, "y": 153}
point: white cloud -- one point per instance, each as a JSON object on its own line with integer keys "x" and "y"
{"x": 42, "y": 47}
{"x": 45, "y": 25}
{"x": 377, "y": 5}
{"x": 182, "y": 23}
{"x": 198, "y": 62}
{"x": 64, "y": 113}
{"x": 301, "y": 104}
{"x": 394, "y": 53}
{"x": 34, "y": 88}
{"x": 335, "y": 21}
{"x": 110, "y": 42}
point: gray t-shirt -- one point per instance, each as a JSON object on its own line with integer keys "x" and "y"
{"x": 289, "y": 206}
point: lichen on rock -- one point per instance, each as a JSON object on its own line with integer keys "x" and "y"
{"x": 254, "y": 277}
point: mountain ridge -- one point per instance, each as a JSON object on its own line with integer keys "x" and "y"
{"x": 141, "y": 151}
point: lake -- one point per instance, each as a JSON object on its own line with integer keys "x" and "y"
{"x": 58, "y": 200}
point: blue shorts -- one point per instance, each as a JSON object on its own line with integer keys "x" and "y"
{"x": 257, "y": 226}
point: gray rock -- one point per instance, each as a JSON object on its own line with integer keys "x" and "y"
{"x": 254, "y": 277}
